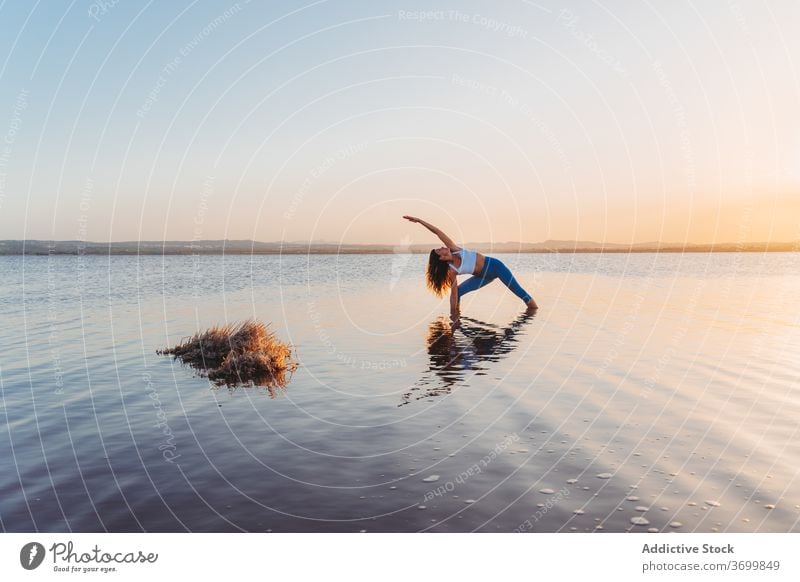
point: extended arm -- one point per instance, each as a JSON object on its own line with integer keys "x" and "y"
{"x": 448, "y": 242}
{"x": 454, "y": 311}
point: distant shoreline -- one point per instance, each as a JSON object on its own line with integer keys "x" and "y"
{"x": 239, "y": 247}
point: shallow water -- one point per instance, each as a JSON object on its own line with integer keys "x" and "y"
{"x": 672, "y": 377}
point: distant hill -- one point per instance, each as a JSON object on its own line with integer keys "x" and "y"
{"x": 247, "y": 247}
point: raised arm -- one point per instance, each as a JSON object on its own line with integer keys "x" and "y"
{"x": 448, "y": 242}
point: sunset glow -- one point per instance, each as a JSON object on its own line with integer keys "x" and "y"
{"x": 611, "y": 122}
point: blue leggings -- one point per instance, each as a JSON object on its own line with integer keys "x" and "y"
{"x": 493, "y": 269}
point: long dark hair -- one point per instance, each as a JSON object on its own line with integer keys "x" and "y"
{"x": 437, "y": 275}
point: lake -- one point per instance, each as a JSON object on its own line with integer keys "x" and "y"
{"x": 649, "y": 392}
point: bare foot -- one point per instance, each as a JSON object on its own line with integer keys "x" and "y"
{"x": 532, "y": 307}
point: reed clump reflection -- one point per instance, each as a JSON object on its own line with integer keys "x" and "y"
{"x": 466, "y": 349}
{"x": 237, "y": 354}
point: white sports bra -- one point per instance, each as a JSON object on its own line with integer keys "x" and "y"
{"x": 468, "y": 260}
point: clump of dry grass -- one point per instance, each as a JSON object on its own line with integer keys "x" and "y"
{"x": 246, "y": 353}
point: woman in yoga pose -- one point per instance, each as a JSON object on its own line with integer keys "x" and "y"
{"x": 449, "y": 261}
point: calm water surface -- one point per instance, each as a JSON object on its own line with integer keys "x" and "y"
{"x": 672, "y": 377}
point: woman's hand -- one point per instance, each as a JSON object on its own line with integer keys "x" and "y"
{"x": 412, "y": 219}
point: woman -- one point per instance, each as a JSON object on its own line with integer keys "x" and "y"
{"x": 449, "y": 261}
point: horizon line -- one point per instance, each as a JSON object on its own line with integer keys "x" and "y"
{"x": 37, "y": 247}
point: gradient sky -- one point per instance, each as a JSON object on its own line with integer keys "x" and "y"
{"x": 502, "y": 121}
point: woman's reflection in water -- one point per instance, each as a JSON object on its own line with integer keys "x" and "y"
{"x": 467, "y": 349}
